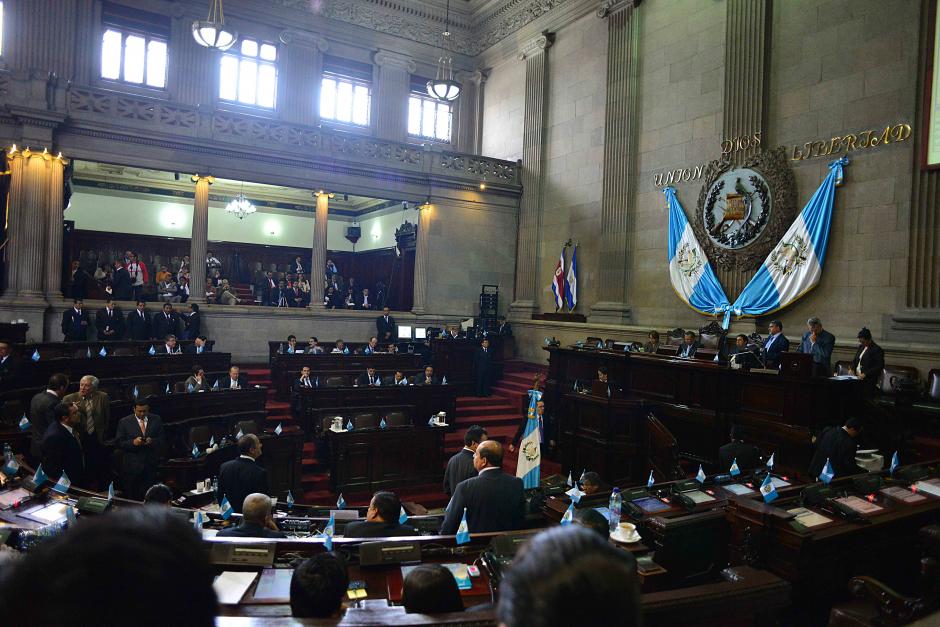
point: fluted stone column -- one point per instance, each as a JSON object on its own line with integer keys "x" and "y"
{"x": 420, "y": 296}
{"x": 55, "y": 206}
{"x": 318, "y": 260}
{"x": 535, "y": 55}
{"x": 620, "y": 133}
{"x": 392, "y": 86}
{"x": 199, "y": 240}
{"x": 469, "y": 118}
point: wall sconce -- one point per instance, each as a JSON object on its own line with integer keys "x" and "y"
{"x": 272, "y": 228}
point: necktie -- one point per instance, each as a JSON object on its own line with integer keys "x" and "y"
{"x": 143, "y": 426}
{"x": 90, "y": 423}
{"x": 370, "y": 381}
{"x": 77, "y": 438}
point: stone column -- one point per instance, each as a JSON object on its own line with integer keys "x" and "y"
{"x": 199, "y": 241}
{"x": 469, "y": 118}
{"x": 298, "y": 84}
{"x": 318, "y": 260}
{"x": 535, "y": 55}
{"x": 620, "y": 133}
{"x": 390, "y": 103}
{"x": 55, "y": 206}
{"x": 422, "y": 244}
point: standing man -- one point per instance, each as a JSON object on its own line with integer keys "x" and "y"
{"x": 747, "y": 455}
{"x": 503, "y": 328}
{"x": 109, "y": 322}
{"x": 385, "y": 326}
{"x": 95, "y": 410}
{"x": 819, "y": 343}
{"x": 837, "y": 444}
{"x": 192, "y": 323}
{"x": 138, "y": 275}
{"x": 483, "y": 368}
{"x": 40, "y": 411}
{"x": 494, "y": 500}
{"x": 244, "y": 475}
{"x": 140, "y": 436}
{"x": 9, "y": 369}
{"x": 869, "y": 360}
{"x": 75, "y": 323}
{"x": 165, "y": 323}
{"x": 545, "y": 425}
{"x": 62, "y": 447}
{"x": 138, "y": 323}
{"x": 776, "y": 344}
{"x": 120, "y": 282}
{"x": 460, "y": 465}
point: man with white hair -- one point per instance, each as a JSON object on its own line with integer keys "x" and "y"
{"x": 95, "y": 409}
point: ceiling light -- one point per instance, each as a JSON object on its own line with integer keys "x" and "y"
{"x": 444, "y": 87}
{"x": 211, "y": 32}
{"x": 240, "y": 207}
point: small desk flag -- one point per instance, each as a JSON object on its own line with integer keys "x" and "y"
{"x": 215, "y": 386}
{"x": 70, "y": 516}
{"x": 431, "y": 421}
{"x": 570, "y": 481}
{"x": 734, "y": 470}
{"x": 211, "y": 441}
{"x": 383, "y": 424}
{"x": 575, "y": 494}
{"x": 198, "y": 519}
{"x": 152, "y": 350}
{"x": 103, "y": 352}
{"x": 167, "y": 390}
{"x": 768, "y": 489}
{"x": 136, "y": 392}
{"x": 770, "y": 462}
{"x": 895, "y": 462}
{"x": 111, "y": 491}
{"x": 88, "y": 353}
{"x": 225, "y": 508}
{"x": 35, "y": 356}
{"x": 40, "y": 477}
{"x": 328, "y": 532}
{"x": 62, "y": 485}
{"x": 290, "y": 500}
{"x": 278, "y": 430}
{"x": 11, "y": 467}
{"x": 345, "y": 351}
{"x": 195, "y": 451}
{"x": 700, "y": 477}
{"x": 24, "y": 423}
{"x": 444, "y": 380}
{"x": 238, "y": 436}
{"x": 463, "y": 531}
{"x": 827, "y": 474}
{"x": 340, "y": 502}
{"x": 349, "y": 425}
{"x": 190, "y": 388}
{"x": 569, "y": 515}
{"x": 650, "y": 481}
{"x": 402, "y": 516}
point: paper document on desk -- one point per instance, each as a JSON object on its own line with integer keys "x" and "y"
{"x": 231, "y": 586}
{"x": 930, "y": 486}
{"x": 808, "y": 518}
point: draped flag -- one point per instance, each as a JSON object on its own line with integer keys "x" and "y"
{"x": 575, "y": 494}
{"x": 692, "y": 276}
{"x": 571, "y": 280}
{"x": 795, "y": 265}
{"x": 530, "y": 454}
{"x": 558, "y": 282}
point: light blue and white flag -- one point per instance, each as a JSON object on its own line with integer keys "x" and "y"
{"x": 568, "y": 517}
{"x": 328, "y": 533}
{"x": 575, "y": 494}
{"x": 571, "y": 280}
{"x": 691, "y": 275}
{"x": 529, "y": 463}
{"x": 895, "y": 462}
{"x": 290, "y": 350}
{"x": 431, "y": 421}
{"x": 111, "y": 491}
{"x": 25, "y": 423}
{"x": 62, "y": 485}
{"x": 444, "y": 380}
{"x": 35, "y": 356}
{"x": 10, "y": 467}
{"x": 215, "y": 386}
{"x": 211, "y": 441}
{"x": 88, "y": 353}
{"x": 734, "y": 470}
{"x": 340, "y": 502}
{"x": 195, "y": 451}
{"x": 278, "y": 430}
{"x": 345, "y": 351}
{"x": 225, "y": 508}
{"x": 103, "y": 352}
{"x": 290, "y": 500}
{"x": 152, "y": 351}
{"x": 570, "y": 481}
{"x": 463, "y": 531}
{"x": 198, "y": 519}
{"x": 70, "y": 516}
{"x": 349, "y": 425}
{"x": 402, "y": 516}
{"x": 383, "y": 424}
{"x": 795, "y": 264}
{"x": 167, "y": 390}
{"x": 40, "y": 477}
{"x": 238, "y": 436}
{"x": 136, "y": 392}
{"x": 827, "y": 474}
{"x": 768, "y": 489}
{"x": 700, "y": 476}
{"x": 650, "y": 481}
{"x": 770, "y": 462}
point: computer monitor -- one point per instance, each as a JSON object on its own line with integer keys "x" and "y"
{"x": 404, "y": 332}
{"x": 421, "y": 333}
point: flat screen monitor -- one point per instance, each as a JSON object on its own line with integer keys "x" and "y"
{"x": 404, "y": 332}
{"x": 651, "y": 505}
{"x": 421, "y": 333}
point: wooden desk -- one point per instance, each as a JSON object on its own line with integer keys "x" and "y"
{"x": 15, "y": 333}
{"x": 455, "y": 357}
{"x": 286, "y": 366}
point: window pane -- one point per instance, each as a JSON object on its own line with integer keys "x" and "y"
{"x": 328, "y": 99}
{"x": 228, "y": 77}
{"x": 1, "y": 28}
{"x": 134, "y": 59}
{"x": 247, "y": 81}
{"x": 249, "y": 47}
{"x": 414, "y": 116}
{"x": 268, "y": 52}
{"x": 156, "y": 63}
{"x": 361, "y": 105}
{"x": 427, "y": 119}
{"x": 344, "y": 101}
{"x": 267, "y": 85}
{"x": 111, "y": 55}
{"x": 442, "y": 131}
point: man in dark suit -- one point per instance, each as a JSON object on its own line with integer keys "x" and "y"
{"x": 200, "y": 345}
{"x": 381, "y": 519}
{"x": 688, "y": 347}
{"x": 266, "y": 287}
{"x": 169, "y": 346}
{"x": 494, "y": 500}
{"x": 454, "y": 333}
{"x": 460, "y": 465}
{"x": 869, "y": 360}
{"x": 40, "y": 411}
{"x": 9, "y": 367}
{"x": 75, "y": 323}
{"x": 165, "y": 323}
{"x": 427, "y": 378}
{"x": 776, "y": 344}
{"x": 304, "y": 381}
{"x": 62, "y": 447}
{"x": 120, "y": 283}
{"x": 140, "y": 436}
{"x": 369, "y": 378}
{"x": 503, "y": 327}
{"x": 483, "y": 368}
{"x": 95, "y": 411}
{"x": 138, "y": 323}
{"x": 234, "y": 380}
{"x": 281, "y": 296}
{"x": 109, "y": 322}
{"x": 385, "y": 326}
{"x": 546, "y": 429}
{"x": 192, "y": 322}
{"x": 257, "y": 521}
{"x": 819, "y": 343}
{"x": 244, "y": 475}
{"x": 837, "y": 444}
{"x": 748, "y": 455}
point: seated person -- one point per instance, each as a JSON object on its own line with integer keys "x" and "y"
{"x": 590, "y": 518}
{"x": 591, "y": 483}
{"x": 503, "y": 327}
{"x": 257, "y": 521}
{"x": 381, "y": 519}
{"x": 199, "y": 346}
{"x": 427, "y": 378}
{"x": 350, "y": 301}
{"x": 454, "y": 333}
{"x": 430, "y": 589}
{"x": 602, "y": 374}
{"x": 365, "y": 300}
{"x": 748, "y": 455}
{"x": 372, "y": 347}
{"x": 652, "y": 344}
{"x": 392, "y": 349}
{"x": 369, "y": 378}
{"x": 563, "y": 563}
{"x": 869, "y": 359}
{"x": 197, "y": 382}
{"x": 339, "y": 348}
{"x": 234, "y": 380}
{"x": 318, "y": 586}
{"x": 169, "y": 346}
{"x": 158, "y": 494}
{"x": 776, "y": 344}
{"x": 291, "y": 347}
{"x": 313, "y": 346}
{"x": 740, "y": 344}
{"x": 837, "y": 444}
{"x": 688, "y": 347}
{"x": 400, "y": 378}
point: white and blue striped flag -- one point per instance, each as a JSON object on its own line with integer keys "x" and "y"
{"x": 529, "y": 463}
{"x": 768, "y": 489}
{"x": 40, "y": 477}
{"x": 827, "y": 473}
{"x": 734, "y": 470}
{"x": 571, "y": 280}
{"x": 225, "y": 508}
{"x": 895, "y": 462}
{"x": 111, "y": 491}
{"x": 463, "y": 530}
{"x": 278, "y": 430}
{"x": 340, "y": 502}
{"x": 10, "y": 467}
{"x": 62, "y": 485}
{"x": 328, "y": 533}
{"x": 650, "y": 481}
{"x": 24, "y": 423}
{"x": 700, "y": 476}
{"x": 569, "y": 515}
{"x": 402, "y": 516}
{"x": 290, "y": 500}
{"x": 770, "y": 462}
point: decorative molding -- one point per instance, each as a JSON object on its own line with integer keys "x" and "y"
{"x": 477, "y": 78}
{"x": 394, "y": 60}
{"x": 537, "y": 45}
{"x": 610, "y": 7}
{"x": 479, "y": 166}
{"x": 289, "y": 37}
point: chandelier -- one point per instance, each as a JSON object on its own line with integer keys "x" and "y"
{"x": 211, "y": 32}
{"x": 444, "y": 87}
{"x": 240, "y": 207}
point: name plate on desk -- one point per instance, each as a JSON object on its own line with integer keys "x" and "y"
{"x": 253, "y": 554}
{"x": 380, "y": 553}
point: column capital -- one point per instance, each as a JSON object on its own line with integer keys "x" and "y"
{"x": 477, "y": 77}
{"x": 322, "y": 192}
{"x": 536, "y": 46}
{"x": 395, "y": 61}
{"x": 203, "y": 177}
{"x": 610, "y": 7}
{"x": 290, "y": 37}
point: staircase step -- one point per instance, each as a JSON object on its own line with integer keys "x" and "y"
{"x": 502, "y": 408}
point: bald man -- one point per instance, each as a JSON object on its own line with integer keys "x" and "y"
{"x": 494, "y": 500}
{"x": 257, "y": 521}
{"x": 244, "y": 475}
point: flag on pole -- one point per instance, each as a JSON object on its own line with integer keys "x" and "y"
{"x": 40, "y": 477}
{"x": 195, "y": 451}
{"x": 88, "y": 353}
{"x": 349, "y": 425}
{"x": 198, "y": 519}
{"x": 768, "y": 489}
{"x": 215, "y": 386}
{"x": 571, "y": 280}
{"x": 570, "y": 481}
{"x": 62, "y": 485}
{"x": 211, "y": 441}
{"x": 383, "y": 424}
{"x": 827, "y": 473}
{"x": 152, "y": 351}
{"x": 35, "y": 356}
{"x": 700, "y": 476}
{"x": 136, "y": 392}
{"x": 463, "y": 531}
{"x": 70, "y": 515}
{"x": 103, "y": 352}
{"x": 278, "y": 430}
{"x": 895, "y": 462}
{"x": 558, "y": 282}
{"x": 111, "y": 491}
{"x": 530, "y": 455}
{"x": 328, "y": 532}
{"x": 735, "y": 471}
{"x": 575, "y": 494}
{"x": 238, "y": 436}
{"x": 10, "y": 467}
{"x": 225, "y": 508}
{"x": 340, "y": 502}
{"x": 650, "y": 481}
{"x": 770, "y": 462}
{"x": 569, "y": 515}
{"x": 402, "y": 516}
{"x": 290, "y": 500}
{"x": 24, "y": 423}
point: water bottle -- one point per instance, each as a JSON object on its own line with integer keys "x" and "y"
{"x": 7, "y": 453}
{"x": 215, "y": 489}
{"x": 615, "y": 501}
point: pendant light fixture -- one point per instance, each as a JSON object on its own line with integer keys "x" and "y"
{"x": 444, "y": 87}
{"x": 211, "y": 32}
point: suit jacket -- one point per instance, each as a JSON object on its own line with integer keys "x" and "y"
{"x": 368, "y": 529}
{"x": 240, "y": 477}
{"x": 363, "y": 379}
{"x": 138, "y": 459}
{"x": 505, "y": 329}
{"x": 114, "y": 322}
{"x": 196, "y": 385}
{"x": 686, "y": 350}
{"x": 9, "y": 370}
{"x": 40, "y": 417}
{"x": 161, "y": 326}
{"x": 821, "y": 351}
{"x": 121, "y": 284}
{"x": 873, "y": 362}
{"x": 138, "y": 327}
{"x": 192, "y": 325}
{"x": 250, "y": 530}
{"x": 772, "y": 353}
{"x": 161, "y": 349}
{"x": 494, "y": 501}
{"x": 422, "y": 380}
{"x": 62, "y": 452}
{"x": 191, "y": 349}
{"x": 748, "y": 456}
{"x": 459, "y": 467}
{"x": 836, "y": 445}
{"x": 263, "y": 289}
{"x": 225, "y": 383}
{"x": 72, "y": 327}
{"x": 460, "y": 335}
{"x": 482, "y": 361}
{"x": 287, "y": 294}
{"x": 385, "y": 330}
{"x": 96, "y": 409}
